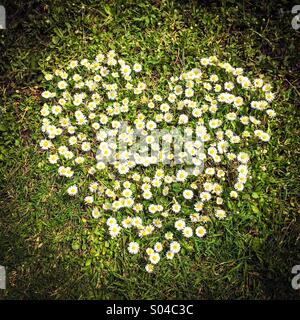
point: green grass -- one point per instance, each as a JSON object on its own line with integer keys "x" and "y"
{"x": 49, "y": 249}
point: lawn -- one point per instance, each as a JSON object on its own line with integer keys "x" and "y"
{"x": 51, "y": 247}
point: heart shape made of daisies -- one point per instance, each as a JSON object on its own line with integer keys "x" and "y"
{"x": 149, "y": 163}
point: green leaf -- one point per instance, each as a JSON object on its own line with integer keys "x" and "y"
{"x": 255, "y": 195}
{"x": 75, "y": 246}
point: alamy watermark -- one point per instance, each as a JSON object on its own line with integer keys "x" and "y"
{"x": 2, "y": 18}
{"x": 172, "y": 146}
{"x": 296, "y": 280}
{"x": 295, "y": 22}
{"x": 296, "y": 19}
{"x": 2, "y": 277}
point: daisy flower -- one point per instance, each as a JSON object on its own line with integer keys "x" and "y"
{"x": 175, "y": 247}
{"x": 149, "y": 267}
{"x": 154, "y": 258}
{"x": 179, "y": 224}
{"x": 137, "y": 67}
{"x": 133, "y": 247}
{"x": 200, "y": 232}
{"x": 188, "y": 194}
{"x": 187, "y": 232}
{"x": 72, "y": 190}
{"x": 169, "y": 255}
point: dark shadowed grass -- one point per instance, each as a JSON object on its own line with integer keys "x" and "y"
{"x": 48, "y": 247}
